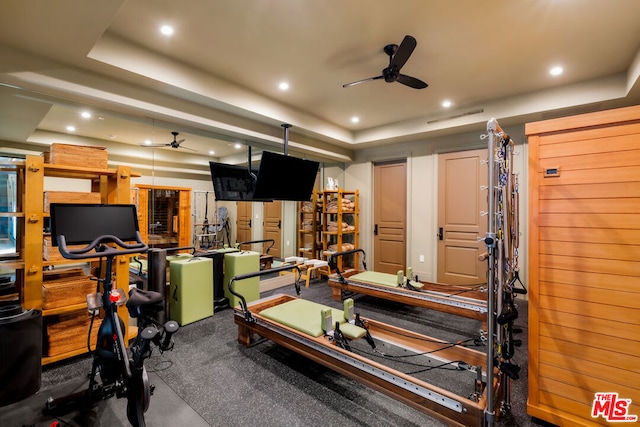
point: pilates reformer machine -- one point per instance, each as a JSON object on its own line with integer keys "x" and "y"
{"x": 457, "y": 300}
{"x": 372, "y": 352}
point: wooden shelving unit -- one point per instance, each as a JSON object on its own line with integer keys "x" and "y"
{"x": 310, "y": 226}
{"x": 340, "y": 225}
{"x": 114, "y": 187}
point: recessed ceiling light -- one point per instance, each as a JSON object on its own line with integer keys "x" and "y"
{"x": 355, "y": 119}
{"x": 166, "y": 30}
{"x": 112, "y": 136}
{"x": 85, "y": 115}
{"x": 71, "y": 128}
{"x": 237, "y": 146}
{"x": 283, "y": 86}
{"x": 556, "y": 71}
{"x": 211, "y": 152}
{"x": 147, "y": 142}
{"x": 446, "y": 103}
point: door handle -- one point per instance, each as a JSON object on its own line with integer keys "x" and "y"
{"x": 249, "y": 223}
{"x": 279, "y": 223}
{"x": 375, "y": 230}
{"x": 440, "y": 233}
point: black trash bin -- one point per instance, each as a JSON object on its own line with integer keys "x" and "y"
{"x": 20, "y": 353}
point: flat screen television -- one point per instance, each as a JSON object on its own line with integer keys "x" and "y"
{"x": 232, "y": 182}
{"x": 283, "y": 177}
{"x": 80, "y": 224}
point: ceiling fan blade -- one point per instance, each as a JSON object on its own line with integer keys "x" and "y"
{"x": 187, "y": 148}
{"x": 411, "y": 82}
{"x": 362, "y": 81}
{"x": 155, "y": 145}
{"x": 403, "y": 53}
{"x": 181, "y": 141}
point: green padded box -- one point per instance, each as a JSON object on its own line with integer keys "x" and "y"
{"x": 236, "y": 263}
{"x": 178, "y": 257}
{"x": 191, "y": 289}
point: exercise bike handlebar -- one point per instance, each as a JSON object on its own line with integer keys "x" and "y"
{"x": 100, "y": 247}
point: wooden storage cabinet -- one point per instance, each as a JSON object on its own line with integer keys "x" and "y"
{"x": 340, "y": 225}
{"x": 310, "y": 226}
{"x": 584, "y": 264}
{"x": 164, "y": 215}
{"x": 114, "y": 187}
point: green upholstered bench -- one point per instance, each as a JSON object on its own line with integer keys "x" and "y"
{"x": 382, "y": 279}
{"x": 308, "y": 316}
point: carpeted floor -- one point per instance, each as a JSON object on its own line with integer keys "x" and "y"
{"x": 209, "y": 379}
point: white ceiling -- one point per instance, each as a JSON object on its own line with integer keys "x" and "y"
{"x": 216, "y": 79}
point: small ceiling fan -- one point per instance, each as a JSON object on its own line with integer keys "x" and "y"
{"x": 398, "y": 56}
{"x": 173, "y": 144}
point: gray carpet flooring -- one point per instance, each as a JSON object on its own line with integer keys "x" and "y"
{"x": 209, "y": 379}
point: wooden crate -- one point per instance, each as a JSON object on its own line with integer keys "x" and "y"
{"x": 64, "y": 290}
{"x": 51, "y": 253}
{"x": 69, "y": 197}
{"x": 69, "y": 332}
{"x": 77, "y": 155}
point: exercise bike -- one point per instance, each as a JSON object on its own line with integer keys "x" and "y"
{"x": 105, "y": 230}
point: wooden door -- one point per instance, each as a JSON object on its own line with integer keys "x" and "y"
{"x": 389, "y": 216}
{"x": 273, "y": 227}
{"x": 243, "y": 221}
{"x": 462, "y": 198}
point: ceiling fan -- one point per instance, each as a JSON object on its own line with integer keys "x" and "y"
{"x": 173, "y": 144}
{"x": 398, "y": 56}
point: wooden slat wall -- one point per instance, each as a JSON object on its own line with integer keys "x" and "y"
{"x": 584, "y": 278}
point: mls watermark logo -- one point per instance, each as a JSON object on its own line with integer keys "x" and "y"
{"x": 612, "y": 408}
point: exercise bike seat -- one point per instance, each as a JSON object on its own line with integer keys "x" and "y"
{"x": 144, "y": 302}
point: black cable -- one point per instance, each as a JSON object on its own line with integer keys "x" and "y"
{"x": 426, "y": 368}
{"x": 452, "y": 344}
{"x": 441, "y": 366}
{"x": 93, "y": 315}
{"x": 466, "y": 290}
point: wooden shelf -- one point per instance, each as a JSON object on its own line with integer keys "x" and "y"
{"x": 11, "y": 214}
{"x": 64, "y": 310}
{"x": 65, "y": 171}
{"x": 133, "y": 332}
{"x": 65, "y": 261}
{"x": 310, "y": 236}
{"x": 340, "y": 215}
{"x": 114, "y": 186}
{"x": 17, "y": 264}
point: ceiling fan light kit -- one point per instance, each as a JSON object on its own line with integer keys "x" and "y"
{"x": 398, "y": 56}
